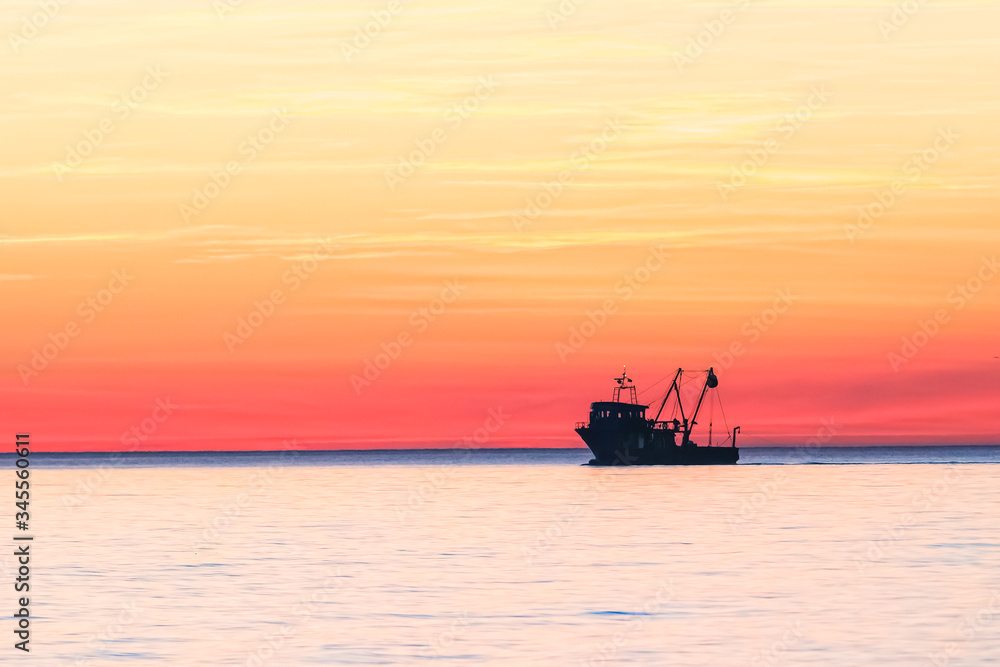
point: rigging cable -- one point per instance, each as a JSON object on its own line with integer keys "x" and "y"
{"x": 711, "y": 415}
{"x": 653, "y": 385}
{"x": 724, "y": 420}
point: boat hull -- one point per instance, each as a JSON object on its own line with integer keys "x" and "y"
{"x": 646, "y": 446}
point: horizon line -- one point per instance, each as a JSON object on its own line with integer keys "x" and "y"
{"x": 488, "y": 449}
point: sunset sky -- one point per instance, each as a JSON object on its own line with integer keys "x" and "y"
{"x": 476, "y": 181}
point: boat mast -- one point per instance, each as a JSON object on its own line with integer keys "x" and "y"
{"x": 711, "y": 382}
{"x": 624, "y": 382}
{"x": 673, "y": 387}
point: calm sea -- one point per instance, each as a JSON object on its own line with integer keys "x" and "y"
{"x": 519, "y": 557}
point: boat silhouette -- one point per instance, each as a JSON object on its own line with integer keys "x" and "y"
{"x": 619, "y": 433}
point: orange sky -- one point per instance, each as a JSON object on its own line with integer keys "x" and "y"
{"x": 171, "y": 170}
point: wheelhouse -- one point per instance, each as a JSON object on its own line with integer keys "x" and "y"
{"x": 614, "y": 410}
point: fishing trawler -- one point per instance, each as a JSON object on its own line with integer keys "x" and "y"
{"x": 619, "y": 433}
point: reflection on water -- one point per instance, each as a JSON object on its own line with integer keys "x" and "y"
{"x": 540, "y": 562}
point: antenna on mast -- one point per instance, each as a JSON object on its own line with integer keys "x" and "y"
{"x": 624, "y": 382}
